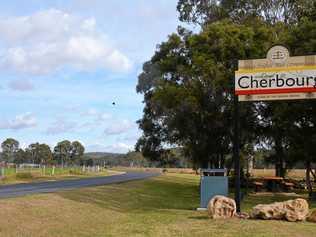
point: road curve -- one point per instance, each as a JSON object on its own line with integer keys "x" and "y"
{"x": 16, "y": 190}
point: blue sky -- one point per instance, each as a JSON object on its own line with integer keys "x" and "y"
{"x": 63, "y": 63}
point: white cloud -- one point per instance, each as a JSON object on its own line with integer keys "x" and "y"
{"x": 119, "y": 127}
{"x": 72, "y": 108}
{"x": 52, "y": 39}
{"x": 21, "y": 85}
{"x": 61, "y": 126}
{"x": 119, "y": 148}
{"x": 99, "y": 116}
{"x": 104, "y": 116}
{"x": 131, "y": 138}
{"x": 22, "y": 121}
{"x": 90, "y": 112}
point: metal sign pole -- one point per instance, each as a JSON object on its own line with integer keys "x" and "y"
{"x": 236, "y": 153}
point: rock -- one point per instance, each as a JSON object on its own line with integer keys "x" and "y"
{"x": 297, "y": 210}
{"x": 221, "y": 207}
{"x": 292, "y": 210}
{"x": 267, "y": 212}
{"x": 312, "y": 217}
{"x": 242, "y": 215}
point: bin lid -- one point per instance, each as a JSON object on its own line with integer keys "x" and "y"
{"x": 213, "y": 172}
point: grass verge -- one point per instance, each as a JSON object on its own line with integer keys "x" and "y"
{"x": 162, "y": 206}
{"x": 37, "y": 175}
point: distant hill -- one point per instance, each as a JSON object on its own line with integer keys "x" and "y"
{"x": 104, "y": 158}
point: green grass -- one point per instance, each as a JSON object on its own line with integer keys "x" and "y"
{"x": 162, "y": 206}
{"x": 39, "y": 174}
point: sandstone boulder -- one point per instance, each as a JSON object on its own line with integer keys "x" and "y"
{"x": 221, "y": 207}
{"x": 242, "y": 215}
{"x": 292, "y": 210}
{"x": 312, "y": 217}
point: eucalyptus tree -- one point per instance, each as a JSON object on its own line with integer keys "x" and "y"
{"x": 77, "y": 151}
{"x": 244, "y": 11}
{"x": 45, "y": 154}
{"x": 188, "y": 91}
{"x": 294, "y": 26}
{"x": 20, "y": 157}
{"x": 62, "y": 152}
{"x": 187, "y": 84}
{"x": 39, "y": 153}
{"x": 33, "y": 152}
{"x": 66, "y": 152}
{"x": 9, "y": 148}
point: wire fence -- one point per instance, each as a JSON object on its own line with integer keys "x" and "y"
{"x": 43, "y": 170}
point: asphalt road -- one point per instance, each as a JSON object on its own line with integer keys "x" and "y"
{"x": 16, "y": 190}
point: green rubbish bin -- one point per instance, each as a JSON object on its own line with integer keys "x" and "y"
{"x": 213, "y": 182}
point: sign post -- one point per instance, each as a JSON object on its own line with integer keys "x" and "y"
{"x": 236, "y": 156}
{"x": 276, "y": 77}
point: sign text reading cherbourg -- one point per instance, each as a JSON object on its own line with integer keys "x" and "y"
{"x": 278, "y": 77}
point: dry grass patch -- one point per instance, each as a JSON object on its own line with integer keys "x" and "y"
{"x": 294, "y": 174}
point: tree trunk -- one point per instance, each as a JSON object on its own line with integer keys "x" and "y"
{"x": 222, "y": 166}
{"x": 308, "y": 179}
{"x": 279, "y": 164}
{"x": 313, "y": 172}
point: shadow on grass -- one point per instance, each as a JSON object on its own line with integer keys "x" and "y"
{"x": 162, "y": 193}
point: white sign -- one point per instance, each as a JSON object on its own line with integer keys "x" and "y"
{"x": 283, "y": 80}
{"x": 278, "y": 77}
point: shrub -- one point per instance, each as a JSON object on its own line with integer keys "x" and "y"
{"x": 75, "y": 172}
{"x": 24, "y": 175}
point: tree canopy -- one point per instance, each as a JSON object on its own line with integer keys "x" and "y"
{"x": 65, "y": 153}
{"x": 188, "y": 83}
{"x": 9, "y": 148}
{"x": 244, "y": 11}
{"x": 188, "y": 89}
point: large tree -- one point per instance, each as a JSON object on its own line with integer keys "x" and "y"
{"x": 66, "y": 152}
{"x": 9, "y": 148}
{"x": 77, "y": 151}
{"x": 244, "y": 11}
{"x": 187, "y": 85}
{"x": 20, "y": 157}
{"x": 62, "y": 152}
{"x": 188, "y": 90}
{"x": 39, "y": 153}
{"x": 45, "y": 154}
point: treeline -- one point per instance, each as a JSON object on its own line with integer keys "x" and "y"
{"x": 136, "y": 159}
{"x": 188, "y": 86}
{"x": 64, "y": 153}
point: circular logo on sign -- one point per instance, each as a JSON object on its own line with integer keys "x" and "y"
{"x": 278, "y": 54}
